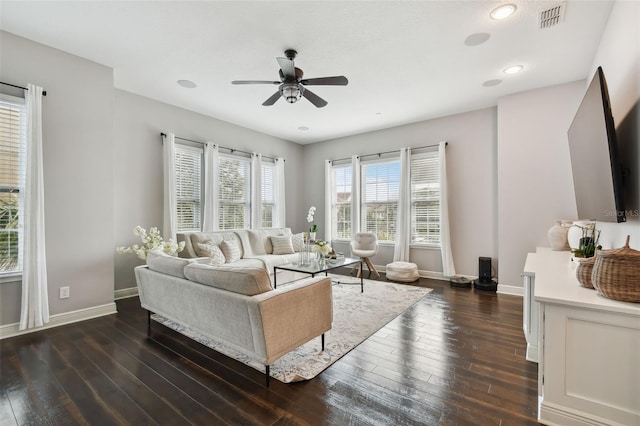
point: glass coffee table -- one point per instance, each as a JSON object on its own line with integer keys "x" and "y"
{"x": 315, "y": 267}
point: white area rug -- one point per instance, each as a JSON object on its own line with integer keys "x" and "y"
{"x": 356, "y": 316}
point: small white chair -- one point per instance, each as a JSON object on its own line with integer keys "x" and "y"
{"x": 365, "y": 246}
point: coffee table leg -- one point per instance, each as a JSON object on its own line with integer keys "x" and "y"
{"x": 361, "y": 279}
{"x": 275, "y": 278}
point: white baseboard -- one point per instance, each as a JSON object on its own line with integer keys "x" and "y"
{"x": 11, "y": 330}
{"x": 125, "y": 293}
{"x": 511, "y": 289}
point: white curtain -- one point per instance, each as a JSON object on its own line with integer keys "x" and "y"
{"x": 280, "y": 194}
{"x": 35, "y": 298}
{"x": 170, "y": 204}
{"x": 448, "y": 269}
{"x": 355, "y": 195}
{"x": 403, "y": 224}
{"x": 256, "y": 190}
{"x": 328, "y": 201}
{"x": 210, "y": 208}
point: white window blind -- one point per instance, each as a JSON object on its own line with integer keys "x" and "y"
{"x": 380, "y": 193}
{"x": 268, "y": 208}
{"x": 342, "y": 195}
{"x": 234, "y": 181}
{"x": 425, "y": 199}
{"x": 188, "y": 188}
{"x": 12, "y": 170}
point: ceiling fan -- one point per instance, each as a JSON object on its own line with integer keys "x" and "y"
{"x": 292, "y": 85}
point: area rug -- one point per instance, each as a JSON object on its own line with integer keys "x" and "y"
{"x": 356, "y": 316}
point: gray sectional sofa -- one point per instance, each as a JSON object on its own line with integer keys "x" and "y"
{"x": 236, "y": 306}
{"x": 235, "y": 303}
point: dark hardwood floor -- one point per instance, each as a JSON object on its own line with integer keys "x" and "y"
{"x": 454, "y": 358}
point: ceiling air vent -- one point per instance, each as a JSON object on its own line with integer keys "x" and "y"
{"x": 552, "y": 16}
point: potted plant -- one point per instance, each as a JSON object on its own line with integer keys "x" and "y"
{"x": 588, "y": 241}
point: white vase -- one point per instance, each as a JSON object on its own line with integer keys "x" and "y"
{"x": 575, "y": 232}
{"x": 312, "y": 236}
{"x": 557, "y": 236}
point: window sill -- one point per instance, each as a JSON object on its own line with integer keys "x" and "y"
{"x": 13, "y": 277}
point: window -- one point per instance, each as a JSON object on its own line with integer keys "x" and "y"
{"x": 268, "y": 205}
{"x": 188, "y": 188}
{"x": 341, "y": 208}
{"x": 380, "y": 193}
{"x": 234, "y": 192}
{"x": 425, "y": 199}
{"x": 12, "y": 170}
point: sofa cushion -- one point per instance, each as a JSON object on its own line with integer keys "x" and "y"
{"x": 298, "y": 242}
{"x": 211, "y": 250}
{"x": 282, "y": 244}
{"x": 159, "y": 261}
{"x": 231, "y": 250}
{"x": 247, "y": 281}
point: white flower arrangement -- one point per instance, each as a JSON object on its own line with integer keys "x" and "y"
{"x": 151, "y": 240}
{"x": 312, "y": 212}
{"x": 322, "y": 247}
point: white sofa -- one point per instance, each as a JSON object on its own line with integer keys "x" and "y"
{"x": 256, "y": 248}
{"x": 236, "y": 306}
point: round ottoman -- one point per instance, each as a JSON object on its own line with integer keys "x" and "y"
{"x": 405, "y": 272}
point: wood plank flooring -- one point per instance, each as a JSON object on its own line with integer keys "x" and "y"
{"x": 454, "y": 358}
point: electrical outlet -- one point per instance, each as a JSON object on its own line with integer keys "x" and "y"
{"x": 64, "y": 292}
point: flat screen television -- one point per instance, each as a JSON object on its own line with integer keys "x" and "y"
{"x": 593, "y": 146}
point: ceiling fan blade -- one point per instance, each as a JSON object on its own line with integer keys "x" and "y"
{"x": 314, "y": 99}
{"x": 326, "y": 81}
{"x": 254, "y": 82}
{"x": 287, "y": 67}
{"x": 272, "y": 100}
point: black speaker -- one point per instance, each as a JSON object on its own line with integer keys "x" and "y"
{"x": 484, "y": 269}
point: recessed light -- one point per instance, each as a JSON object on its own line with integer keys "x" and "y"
{"x": 490, "y": 83}
{"x": 303, "y": 128}
{"x": 513, "y": 69}
{"x": 476, "y": 39}
{"x": 503, "y": 11}
{"x": 187, "y": 84}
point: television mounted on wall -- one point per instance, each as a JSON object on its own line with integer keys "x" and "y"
{"x": 593, "y": 146}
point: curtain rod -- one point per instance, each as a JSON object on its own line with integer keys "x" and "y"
{"x": 387, "y": 152}
{"x": 44, "y": 92}
{"x": 219, "y": 146}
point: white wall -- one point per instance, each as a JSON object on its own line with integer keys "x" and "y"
{"x": 78, "y": 173}
{"x": 137, "y": 196}
{"x": 535, "y": 185}
{"x": 471, "y": 166}
{"x": 534, "y": 169}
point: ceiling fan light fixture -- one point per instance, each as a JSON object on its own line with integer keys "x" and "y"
{"x": 291, "y": 93}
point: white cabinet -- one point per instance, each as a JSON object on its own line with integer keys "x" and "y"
{"x": 530, "y": 309}
{"x": 589, "y": 350}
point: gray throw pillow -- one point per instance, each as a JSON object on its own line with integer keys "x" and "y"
{"x": 298, "y": 242}
{"x": 230, "y": 250}
{"x": 211, "y": 250}
{"x": 282, "y": 244}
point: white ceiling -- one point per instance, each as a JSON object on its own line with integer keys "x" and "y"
{"x": 406, "y": 61}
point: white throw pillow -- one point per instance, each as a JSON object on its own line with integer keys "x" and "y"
{"x": 211, "y": 250}
{"x": 298, "y": 242}
{"x": 231, "y": 250}
{"x": 282, "y": 244}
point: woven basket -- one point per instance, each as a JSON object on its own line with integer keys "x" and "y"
{"x": 616, "y": 273}
{"x": 584, "y": 270}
